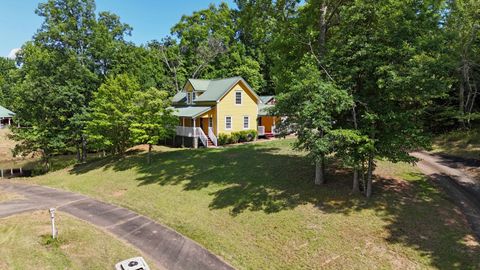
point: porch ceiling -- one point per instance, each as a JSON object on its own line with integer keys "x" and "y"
{"x": 191, "y": 111}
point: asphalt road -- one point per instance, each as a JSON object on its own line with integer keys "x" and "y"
{"x": 463, "y": 189}
{"x": 167, "y": 248}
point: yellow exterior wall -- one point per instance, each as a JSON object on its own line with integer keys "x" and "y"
{"x": 210, "y": 114}
{"x": 227, "y": 107}
{"x": 188, "y": 87}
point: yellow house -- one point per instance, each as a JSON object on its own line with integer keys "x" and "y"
{"x": 207, "y": 108}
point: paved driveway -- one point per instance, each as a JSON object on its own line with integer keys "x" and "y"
{"x": 167, "y": 248}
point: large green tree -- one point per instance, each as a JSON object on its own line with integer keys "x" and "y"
{"x": 112, "y": 114}
{"x": 154, "y": 118}
{"x": 69, "y": 57}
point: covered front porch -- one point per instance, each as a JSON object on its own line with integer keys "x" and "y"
{"x": 196, "y": 127}
{"x": 266, "y": 122}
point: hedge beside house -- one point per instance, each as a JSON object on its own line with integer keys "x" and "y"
{"x": 236, "y": 137}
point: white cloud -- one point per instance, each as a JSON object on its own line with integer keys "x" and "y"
{"x": 13, "y": 53}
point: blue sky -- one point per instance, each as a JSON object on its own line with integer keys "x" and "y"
{"x": 150, "y": 19}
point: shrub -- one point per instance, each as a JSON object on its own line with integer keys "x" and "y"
{"x": 239, "y": 136}
{"x": 234, "y": 137}
{"x": 223, "y": 139}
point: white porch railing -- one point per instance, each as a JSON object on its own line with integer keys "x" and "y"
{"x": 185, "y": 131}
{"x": 199, "y": 132}
{"x": 212, "y": 136}
{"x": 261, "y": 130}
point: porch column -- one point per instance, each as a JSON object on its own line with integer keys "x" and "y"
{"x": 9, "y": 121}
{"x": 195, "y": 141}
{"x": 183, "y": 130}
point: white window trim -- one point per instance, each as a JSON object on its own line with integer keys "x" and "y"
{"x": 194, "y": 96}
{"x": 248, "y": 123}
{"x": 241, "y": 97}
{"x": 210, "y": 122}
{"x": 189, "y": 98}
{"x": 231, "y": 122}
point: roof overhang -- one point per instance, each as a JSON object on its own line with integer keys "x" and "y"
{"x": 191, "y": 111}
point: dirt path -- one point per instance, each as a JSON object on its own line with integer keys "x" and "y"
{"x": 167, "y": 248}
{"x": 461, "y": 187}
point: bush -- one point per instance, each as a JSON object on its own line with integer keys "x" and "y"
{"x": 223, "y": 139}
{"x": 239, "y": 136}
{"x": 234, "y": 137}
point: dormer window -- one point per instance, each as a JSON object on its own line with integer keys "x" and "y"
{"x": 191, "y": 97}
{"x": 238, "y": 97}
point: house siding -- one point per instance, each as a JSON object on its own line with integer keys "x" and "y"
{"x": 227, "y": 107}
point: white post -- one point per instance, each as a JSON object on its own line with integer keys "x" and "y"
{"x": 183, "y": 130}
{"x": 52, "y": 217}
{"x": 195, "y": 141}
{"x": 9, "y": 121}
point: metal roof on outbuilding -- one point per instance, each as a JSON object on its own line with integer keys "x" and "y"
{"x": 6, "y": 113}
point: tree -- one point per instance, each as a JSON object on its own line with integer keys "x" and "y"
{"x": 111, "y": 115}
{"x": 7, "y": 68}
{"x": 69, "y": 57}
{"x": 210, "y": 47}
{"x": 463, "y": 28}
{"x": 153, "y": 116}
{"x": 311, "y": 108}
{"x": 387, "y": 55}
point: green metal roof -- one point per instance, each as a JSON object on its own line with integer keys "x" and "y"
{"x": 264, "y": 110}
{"x": 217, "y": 89}
{"x": 266, "y": 99}
{"x": 191, "y": 111}
{"x": 180, "y": 97}
{"x": 6, "y": 113}
{"x": 213, "y": 90}
{"x": 200, "y": 85}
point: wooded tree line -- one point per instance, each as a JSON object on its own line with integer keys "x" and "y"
{"x": 358, "y": 79}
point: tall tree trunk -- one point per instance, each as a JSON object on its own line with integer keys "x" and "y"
{"x": 356, "y": 182}
{"x": 84, "y": 149}
{"x": 149, "y": 155}
{"x": 368, "y": 191}
{"x": 319, "y": 172}
{"x": 461, "y": 95}
{"x": 322, "y": 36}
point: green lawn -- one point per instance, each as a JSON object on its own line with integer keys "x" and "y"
{"x": 256, "y": 206}
{"x": 25, "y": 243}
{"x": 462, "y": 143}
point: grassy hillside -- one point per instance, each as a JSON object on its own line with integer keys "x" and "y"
{"x": 25, "y": 244}
{"x": 464, "y": 144}
{"x": 256, "y": 206}
{"x": 6, "y": 145}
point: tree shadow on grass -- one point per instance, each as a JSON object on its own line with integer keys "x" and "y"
{"x": 263, "y": 178}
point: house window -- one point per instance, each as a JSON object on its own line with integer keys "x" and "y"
{"x": 189, "y": 98}
{"x": 210, "y": 122}
{"x": 228, "y": 122}
{"x": 194, "y": 96}
{"x": 246, "y": 122}
{"x": 238, "y": 97}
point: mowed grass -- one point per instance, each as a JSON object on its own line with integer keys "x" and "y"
{"x": 25, "y": 243}
{"x": 257, "y": 207}
{"x": 461, "y": 143}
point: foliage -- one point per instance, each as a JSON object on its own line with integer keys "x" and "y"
{"x": 112, "y": 116}
{"x": 237, "y": 136}
{"x": 153, "y": 118}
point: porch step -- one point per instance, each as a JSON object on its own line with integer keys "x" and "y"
{"x": 209, "y": 142}
{"x": 269, "y": 135}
